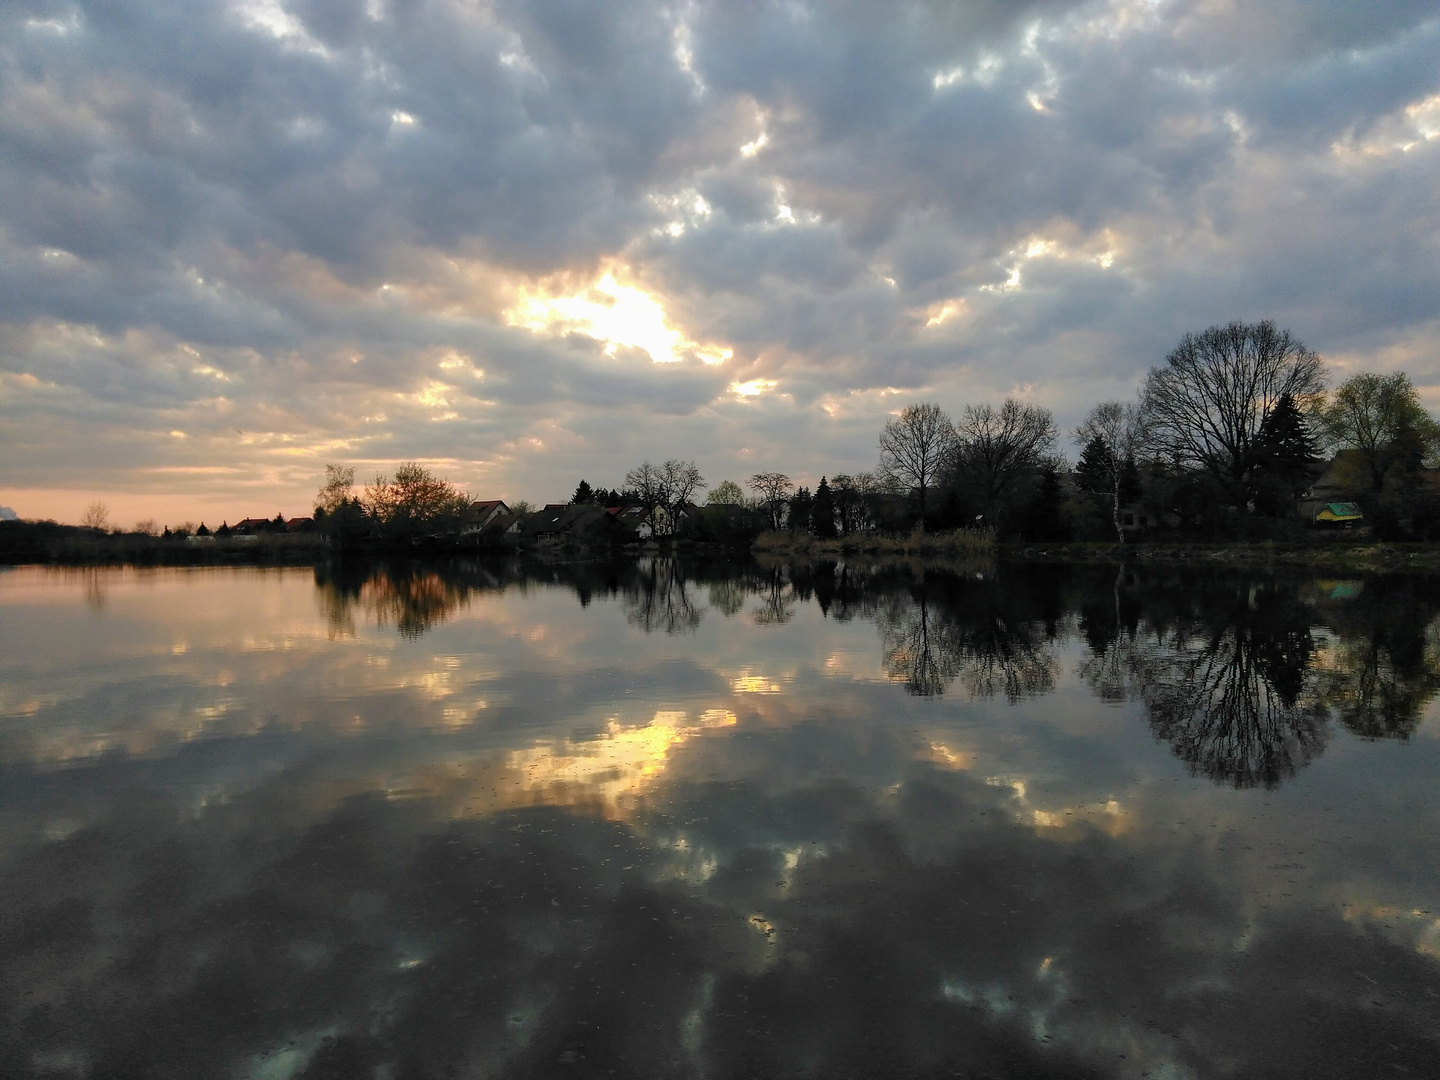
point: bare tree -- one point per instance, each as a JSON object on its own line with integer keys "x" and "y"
{"x": 1000, "y": 448}
{"x": 663, "y": 491}
{"x": 1115, "y": 426}
{"x": 1205, "y": 406}
{"x": 774, "y": 490}
{"x": 646, "y": 484}
{"x": 682, "y": 482}
{"x": 96, "y": 516}
{"x": 335, "y": 492}
{"x": 915, "y": 446}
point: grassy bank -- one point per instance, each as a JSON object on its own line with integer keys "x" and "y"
{"x": 958, "y": 544}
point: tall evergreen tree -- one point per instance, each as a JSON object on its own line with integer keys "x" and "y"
{"x": 1286, "y": 449}
{"x": 801, "y": 504}
{"x": 1092, "y": 472}
{"x": 583, "y": 493}
{"x": 1044, "y": 521}
{"x": 822, "y": 512}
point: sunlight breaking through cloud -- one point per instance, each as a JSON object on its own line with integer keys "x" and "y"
{"x": 612, "y": 312}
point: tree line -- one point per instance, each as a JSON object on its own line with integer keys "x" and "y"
{"x": 1223, "y": 441}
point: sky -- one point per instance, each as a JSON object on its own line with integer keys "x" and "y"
{"x": 525, "y": 243}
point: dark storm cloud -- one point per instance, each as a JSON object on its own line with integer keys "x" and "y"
{"x": 322, "y": 198}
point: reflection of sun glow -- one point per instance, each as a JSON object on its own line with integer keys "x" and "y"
{"x": 621, "y": 761}
{"x": 615, "y": 314}
{"x": 1407, "y": 924}
{"x": 947, "y": 758}
{"x": 1108, "y": 816}
{"x": 748, "y": 683}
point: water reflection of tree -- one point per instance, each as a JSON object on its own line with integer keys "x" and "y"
{"x": 658, "y": 598}
{"x": 1386, "y": 666}
{"x": 777, "y": 598}
{"x": 989, "y": 634}
{"x": 1223, "y": 669}
{"x": 727, "y": 596}
{"x": 1234, "y": 699}
{"x": 1233, "y": 676}
{"x": 412, "y": 598}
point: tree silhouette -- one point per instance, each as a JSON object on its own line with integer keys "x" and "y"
{"x": 915, "y": 446}
{"x": 1205, "y": 406}
{"x": 822, "y": 512}
{"x": 1287, "y": 449}
{"x": 774, "y": 489}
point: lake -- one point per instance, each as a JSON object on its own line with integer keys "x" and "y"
{"x": 661, "y": 818}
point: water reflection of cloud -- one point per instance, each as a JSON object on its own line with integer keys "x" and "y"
{"x": 379, "y": 934}
{"x": 622, "y": 762}
{"x": 598, "y": 872}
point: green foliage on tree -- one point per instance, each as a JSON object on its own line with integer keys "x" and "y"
{"x": 726, "y": 493}
{"x": 583, "y": 494}
{"x": 1380, "y": 419}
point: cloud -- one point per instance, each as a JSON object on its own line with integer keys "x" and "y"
{"x": 320, "y": 199}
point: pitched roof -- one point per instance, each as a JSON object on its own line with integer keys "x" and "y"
{"x": 1339, "y": 511}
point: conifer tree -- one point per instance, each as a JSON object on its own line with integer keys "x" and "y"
{"x": 1286, "y": 446}
{"x": 822, "y": 512}
{"x": 1092, "y": 472}
{"x": 801, "y": 504}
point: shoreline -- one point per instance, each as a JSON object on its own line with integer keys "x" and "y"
{"x": 310, "y": 549}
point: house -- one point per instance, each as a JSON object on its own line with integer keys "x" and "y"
{"x": 634, "y": 519}
{"x": 1328, "y": 499}
{"x": 485, "y": 513}
{"x": 251, "y": 525}
{"x": 583, "y": 523}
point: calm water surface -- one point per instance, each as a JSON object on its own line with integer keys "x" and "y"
{"x": 681, "y": 820}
